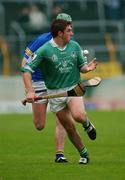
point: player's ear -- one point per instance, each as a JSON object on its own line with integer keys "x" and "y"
{"x": 60, "y": 33}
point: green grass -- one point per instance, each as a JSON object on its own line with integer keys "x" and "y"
{"x": 26, "y": 154}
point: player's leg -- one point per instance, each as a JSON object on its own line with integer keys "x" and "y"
{"x": 60, "y": 134}
{"x": 40, "y": 106}
{"x": 39, "y": 115}
{"x": 76, "y": 106}
{"x": 67, "y": 121}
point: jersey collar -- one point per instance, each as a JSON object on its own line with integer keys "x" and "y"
{"x": 53, "y": 43}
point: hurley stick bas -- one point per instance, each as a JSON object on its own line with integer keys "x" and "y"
{"x": 78, "y": 90}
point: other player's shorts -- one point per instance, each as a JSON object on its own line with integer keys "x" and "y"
{"x": 40, "y": 90}
{"x": 57, "y": 104}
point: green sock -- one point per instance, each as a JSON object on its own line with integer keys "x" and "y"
{"x": 84, "y": 153}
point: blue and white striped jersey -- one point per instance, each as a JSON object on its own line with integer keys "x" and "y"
{"x": 30, "y": 53}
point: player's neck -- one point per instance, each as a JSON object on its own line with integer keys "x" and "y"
{"x": 59, "y": 41}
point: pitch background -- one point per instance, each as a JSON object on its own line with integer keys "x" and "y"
{"x": 26, "y": 154}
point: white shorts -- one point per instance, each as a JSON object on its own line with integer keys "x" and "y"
{"x": 57, "y": 104}
{"x": 40, "y": 90}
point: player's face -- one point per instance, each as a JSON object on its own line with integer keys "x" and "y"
{"x": 67, "y": 34}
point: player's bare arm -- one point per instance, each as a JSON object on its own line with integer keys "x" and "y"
{"x": 89, "y": 67}
{"x": 28, "y": 86}
{"x": 23, "y": 62}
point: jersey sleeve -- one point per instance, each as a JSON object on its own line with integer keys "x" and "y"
{"x": 35, "y": 63}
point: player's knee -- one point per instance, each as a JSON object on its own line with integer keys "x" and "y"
{"x": 39, "y": 127}
{"x": 79, "y": 117}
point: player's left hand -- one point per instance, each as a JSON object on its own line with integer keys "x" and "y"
{"x": 92, "y": 65}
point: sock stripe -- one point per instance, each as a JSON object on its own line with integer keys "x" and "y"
{"x": 59, "y": 152}
{"x": 84, "y": 152}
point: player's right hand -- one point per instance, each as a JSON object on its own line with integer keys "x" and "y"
{"x": 30, "y": 97}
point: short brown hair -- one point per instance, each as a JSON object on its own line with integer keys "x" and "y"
{"x": 58, "y": 25}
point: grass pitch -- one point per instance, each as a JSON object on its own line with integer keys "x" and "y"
{"x": 26, "y": 154}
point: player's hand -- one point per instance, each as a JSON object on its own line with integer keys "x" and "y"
{"x": 30, "y": 97}
{"x": 92, "y": 65}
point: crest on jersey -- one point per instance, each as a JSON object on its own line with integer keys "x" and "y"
{"x": 73, "y": 54}
{"x": 54, "y": 58}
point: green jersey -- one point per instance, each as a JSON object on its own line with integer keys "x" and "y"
{"x": 60, "y": 67}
